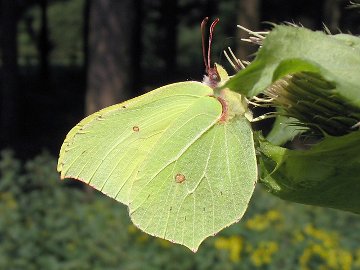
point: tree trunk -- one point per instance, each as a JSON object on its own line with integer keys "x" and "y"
{"x": 85, "y": 38}
{"x": 9, "y": 78}
{"x": 248, "y": 16}
{"x": 44, "y": 44}
{"x": 170, "y": 23}
{"x": 137, "y": 48}
{"x": 110, "y": 29}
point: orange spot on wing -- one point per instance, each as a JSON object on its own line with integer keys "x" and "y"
{"x": 179, "y": 178}
{"x": 136, "y": 128}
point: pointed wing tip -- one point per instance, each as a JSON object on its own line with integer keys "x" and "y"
{"x": 193, "y": 248}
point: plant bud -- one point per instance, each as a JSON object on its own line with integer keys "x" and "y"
{"x": 314, "y": 102}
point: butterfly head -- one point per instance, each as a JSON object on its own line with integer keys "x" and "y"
{"x": 212, "y": 78}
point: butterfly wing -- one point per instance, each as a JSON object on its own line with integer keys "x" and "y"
{"x": 105, "y": 149}
{"x": 200, "y": 185}
{"x": 184, "y": 174}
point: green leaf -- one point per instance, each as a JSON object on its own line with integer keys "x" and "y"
{"x": 284, "y": 130}
{"x": 184, "y": 172}
{"x": 312, "y": 78}
{"x": 325, "y": 175}
{"x": 288, "y": 50}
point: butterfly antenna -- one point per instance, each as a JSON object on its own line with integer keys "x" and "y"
{"x": 203, "y": 25}
{"x": 212, "y": 77}
{"x": 210, "y": 38}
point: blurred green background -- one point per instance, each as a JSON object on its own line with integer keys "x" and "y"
{"x": 63, "y": 59}
{"x": 50, "y": 224}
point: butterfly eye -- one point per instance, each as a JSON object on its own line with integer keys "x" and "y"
{"x": 215, "y": 77}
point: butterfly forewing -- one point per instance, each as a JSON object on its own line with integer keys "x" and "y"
{"x": 106, "y": 148}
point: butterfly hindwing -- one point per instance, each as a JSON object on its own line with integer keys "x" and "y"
{"x": 218, "y": 174}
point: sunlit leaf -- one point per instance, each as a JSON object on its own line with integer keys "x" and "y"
{"x": 288, "y": 49}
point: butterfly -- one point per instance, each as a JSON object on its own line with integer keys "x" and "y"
{"x": 181, "y": 157}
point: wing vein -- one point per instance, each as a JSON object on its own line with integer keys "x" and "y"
{"x": 182, "y": 150}
{"x": 228, "y": 167}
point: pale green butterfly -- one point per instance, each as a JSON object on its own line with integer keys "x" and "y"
{"x": 181, "y": 157}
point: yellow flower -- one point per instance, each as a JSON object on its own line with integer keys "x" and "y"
{"x": 221, "y": 243}
{"x": 357, "y": 260}
{"x": 142, "y": 238}
{"x": 236, "y": 246}
{"x": 274, "y": 215}
{"x": 345, "y": 259}
{"x": 329, "y": 239}
{"x": 262, "y": 222}
{"x": 263, "y": 254}
{"x": 233, "y": 244}
{"x": 132, "y": 229}
{"x": 257, "y": 223}
{"x": 164, "y": 243}
{"x": 330, "y": 258}
{"x": 298, "y": 237}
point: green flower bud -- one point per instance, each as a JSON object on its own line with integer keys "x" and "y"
{"x": 309, "y": 98}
